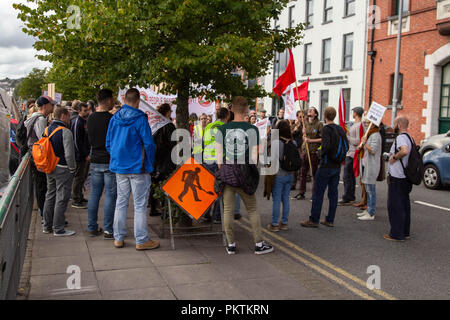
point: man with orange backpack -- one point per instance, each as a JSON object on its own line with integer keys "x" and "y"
{"x": 59, "y": 179}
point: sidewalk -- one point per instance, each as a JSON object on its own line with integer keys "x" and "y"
{"x": 199, "y": 268}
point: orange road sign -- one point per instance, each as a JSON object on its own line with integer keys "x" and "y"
{"x": 191, "y": 187}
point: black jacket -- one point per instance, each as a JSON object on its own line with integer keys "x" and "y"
{"x": 80, "y": 138}
{"x": 163, "y": 165}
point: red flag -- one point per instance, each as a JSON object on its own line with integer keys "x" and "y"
{"x": 342, "y": 111}
{"x": 302, "y": 91}
{"x": 286, "y": 78}
{"x": 356, "y": 157}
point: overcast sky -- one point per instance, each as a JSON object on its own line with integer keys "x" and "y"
{"x": 17, "y": 55}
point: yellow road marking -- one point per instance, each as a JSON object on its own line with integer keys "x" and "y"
{"x": 325, "y": 263}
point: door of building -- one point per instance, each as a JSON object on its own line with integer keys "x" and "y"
{"x": 444, "y": 114}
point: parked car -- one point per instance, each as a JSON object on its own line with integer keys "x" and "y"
{"x": 437, "y": 167}
{"x": 434, "y": 142}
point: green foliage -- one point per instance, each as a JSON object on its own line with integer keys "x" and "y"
{"x": 32, "y": 85}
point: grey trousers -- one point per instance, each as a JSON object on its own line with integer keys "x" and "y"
{"x": 59, "y": 187}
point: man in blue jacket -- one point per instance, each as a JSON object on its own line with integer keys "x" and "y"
{"x": 130, "y": 144}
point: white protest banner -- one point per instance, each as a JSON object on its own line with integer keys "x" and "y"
{"x": 262, "y": 128}
{"x": 155, "y": 119}
{"x": 376, "y": 113}
{"x": 289, "y": 104}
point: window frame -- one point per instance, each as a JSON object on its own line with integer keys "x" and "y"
{"x": 323, "y": 60}
{"x": 309, "y": 14}
{"x": 344, "y": 50}
{"x": 326, "y": 11}
{"x": 346, "y": 7}
{"x": 322, "y": 106}
{"x": 291, "y": 16}
{"x": 347, "y": 102}
{"x": 307, "y": 48}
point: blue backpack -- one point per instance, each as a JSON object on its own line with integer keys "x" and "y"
{"x": 340, "y": 145}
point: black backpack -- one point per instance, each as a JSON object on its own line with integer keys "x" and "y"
{"x": 340, "y": 147}
{"x": 22, "y": 135}
{"x": 415, "y": 168}
{"x": 291, "y": 160}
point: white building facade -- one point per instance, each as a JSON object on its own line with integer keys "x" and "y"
{"x": 333, "y": 54}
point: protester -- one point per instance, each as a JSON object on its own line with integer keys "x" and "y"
{"x": 209, "y": 154}
{"x": 91, "y": 103}
{"x": 163, "y": 165}
{"x": 297, "y": 136}
{"x": 252, "y": 119}
{"x": 280, "y": 116}
{"x": 262, "y": 114}
{"x": 282, "y": 183}
{"x": 36, "y": 125}
{"x": 363, "y": 203}
{"x": 82, "y": 150}
{"x": 130, "y": 144}
{"x": 371, "y": 168}
{"x": 240, "y": 140}
{"x": 312, "y": 137}
{"x": 247, "y": 118}
{"x": 208, "y": 119}
{"x": 59, "y": 182}
{"x": 31, "y": 108}
{"x": 328, "y": 172}
{"x": 101, "y": 175}
{"x": 192, "y": 121}
{"x": 197, "y": 137}
{"x": 75, "y": 106}
{"x": 353, "y": 137}
{"x": 399, "y": 205}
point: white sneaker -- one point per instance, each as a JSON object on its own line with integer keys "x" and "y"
{"x": 367, "y": 217}
{"x": 65, "y": 233}
{"x": 360, "y": 214}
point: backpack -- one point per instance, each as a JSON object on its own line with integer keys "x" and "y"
{"x": 340, "y": 147}
{"x": 43, "y": 155}
{"x": 415, "y": 169}
{"x": 22, "y": 134}
{"x": 291, "y": 160}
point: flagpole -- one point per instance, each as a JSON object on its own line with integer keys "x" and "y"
{"x": 303, "y": 123}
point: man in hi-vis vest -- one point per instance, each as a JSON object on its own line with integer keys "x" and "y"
{"x": 209, "y": 152}
{"x": 197, "y": 136}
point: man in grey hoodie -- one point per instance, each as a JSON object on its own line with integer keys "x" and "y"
{"x": 36, "y": 125}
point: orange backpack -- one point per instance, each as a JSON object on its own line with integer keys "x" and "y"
{"x": 43, "y": 155}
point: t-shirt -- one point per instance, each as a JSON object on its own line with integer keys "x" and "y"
{"x": 97, "y": 126}
{"x": 396, "y": 169}
{"x": 313, "y": 131}
{"x": 237, "y": 138}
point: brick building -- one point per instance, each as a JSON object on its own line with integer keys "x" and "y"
{"x": 424, "y": 87}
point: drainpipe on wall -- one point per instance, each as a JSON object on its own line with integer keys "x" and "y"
{"x": 372, "y": 54}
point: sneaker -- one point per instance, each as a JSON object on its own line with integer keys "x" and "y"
{"x": 218, "y": 221}
{"x": 326, "y": 223}
{"x": 119, "y": 244}
{"x": 237, "y": 216}
{"x": 264, "y": 248}
{"x": 149, "y": 245}
{"x": 95, "y": 233}
{"x": 367, "y": 217}
{"x": 360, "y": 214}
{"x": 47, "y": 231}
{"x": 273, "y": 228}
{"x": 231, "y": 249}
{"x": 407, "y": 237}
{"x": 84, "y": 201}
{"x": 64, "y": 233}
{"x": 345, "y": 203}
{"x": 300, "y": 196}
{"x": 284, "y": 227}
{"x": 309, "y": 224}
{"x": 108, "y": 236}
{"x": 388, "y": 237}
{"x": 79, "y": 205}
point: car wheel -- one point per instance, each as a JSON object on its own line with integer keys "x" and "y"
{"x": 431, "y": 177}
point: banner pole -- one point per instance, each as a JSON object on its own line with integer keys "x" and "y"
{"x": 303, "y": 123}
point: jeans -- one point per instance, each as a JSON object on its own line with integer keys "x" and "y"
{"x": 325, "y": 177}
{"x": 40, "y": 187}
{"x": 59, "y": 187}
{"x": 349, "y": 180}
{"x": 399, "y": 207}
{"x": 280, "y": 194}
{"x": 101, "y": 178}
{"x": 139, "y": 185}
{"x": 371, "y": 198}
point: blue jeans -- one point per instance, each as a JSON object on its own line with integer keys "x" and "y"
{"x": 101, "y": 178}
{"x": 280, "y": 194}
{"x": 139, "y": 185}
{"x": 371, "y": 198}
{"x": 325, "y": 177}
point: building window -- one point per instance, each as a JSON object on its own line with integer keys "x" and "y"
{"x": 326, "y": 55}
{"x": 349, "y": 8}
{"x": 291, "y": 17}
{"x": 327, "y": 11}
{"x": 347, "y": 96}
{"x": 307, "y": 100}
{"x": 444, "y": 116}
{"x": 309, "y": 13}
{"x": 307, "y": 59}
{"x": 348, "y": 52}
{"x": 323, "y": 102}
{"x": 400, "y": 88}
{"x": 396, "y": 6}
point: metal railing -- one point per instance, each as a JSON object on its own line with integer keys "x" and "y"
{"x": 16, "y": 207}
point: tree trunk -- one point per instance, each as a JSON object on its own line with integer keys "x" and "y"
{"x": 183, "y": 123}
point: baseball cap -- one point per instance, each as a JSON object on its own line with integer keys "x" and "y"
{"x": 359, "y": 111}
{"x": 43, "y": 100}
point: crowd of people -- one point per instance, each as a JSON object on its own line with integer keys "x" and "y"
{"x": 114, "y": 144}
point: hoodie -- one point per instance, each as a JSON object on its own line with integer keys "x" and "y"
{"x": 40, "y": 123}
{"x": 129, "y": 142}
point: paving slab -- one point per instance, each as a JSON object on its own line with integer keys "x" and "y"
{"x": 189, "y": 274}
{"x": 155, "y": 293}
{"x": 219, "y": 290}
{"x": 127, "y": 279}
{"x": 58, "y": 265}
{"x": 128, "y": 260}
{"x": 181, "y": 257}
{"x": 58, "y": 247}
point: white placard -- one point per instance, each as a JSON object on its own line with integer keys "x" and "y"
{"x": 376, "y": 113}
{"x": 262, "y": 128}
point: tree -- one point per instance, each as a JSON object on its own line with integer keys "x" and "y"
{"x": 32, "y": 85}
